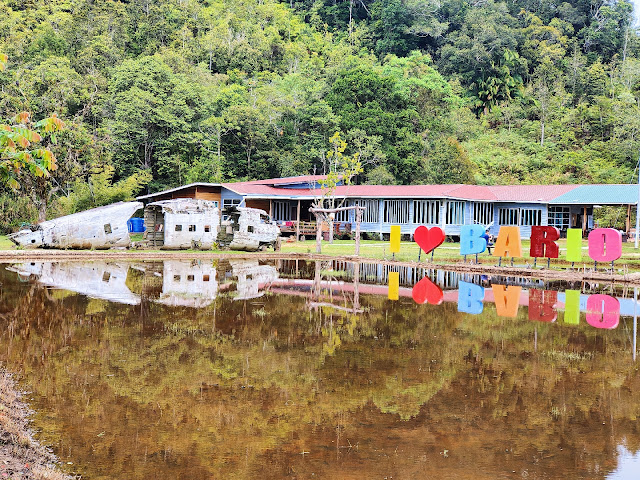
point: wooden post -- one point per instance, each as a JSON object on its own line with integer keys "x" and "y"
{"x": 628, "y": 222}
{"x": 356, "y": 285}
{"x": 584, "y": 219}
{"x": 358, "y": 219}
{"x": 318, "y": 234}
{"x": 298, "y": 223}
{"x": 271, "y": 209}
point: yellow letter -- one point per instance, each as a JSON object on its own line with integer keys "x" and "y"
{"x": 394, "y": 239}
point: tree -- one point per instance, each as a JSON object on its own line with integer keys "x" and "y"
{"x": 341, "y": 169}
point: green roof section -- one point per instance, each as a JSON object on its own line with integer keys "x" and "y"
{"x": 599, "y": 195}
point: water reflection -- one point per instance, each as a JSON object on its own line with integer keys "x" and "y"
{"x": 308, "y": 370}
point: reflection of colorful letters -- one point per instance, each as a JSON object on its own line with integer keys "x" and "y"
{"x": 394, "y": 286}
{"x": 574, "y": 245}
{"x": 605, "y": 244}
{"x": 471, "y": 240}
{"x": 542, "y": 305}
{"x": 428, "y": 238}
{"x": 425, "y": 291}
{"x": 572, "y": 307}
{"x": 470, "y": 298}
{"x": 508, "y": 243}
{"x": 603, "y": 311}
{"x": 507, "y": 300}
{"x": 394, "y": 239}
{"x": 543, "y": 242}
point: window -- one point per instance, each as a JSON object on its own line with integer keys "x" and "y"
{"x": 530, "y": 216}
{"x": 508, "y": 216}
{"x": 281, "y": 210}
{"x": 559, "y": 217}
{"x": 396, "y": 211}
{"x": 176, "y": 278}
{"x": 371, "y": 214}
{"x": 426, "y": 212}
{"x": 231, "y": 202}
{"x": 205, "y": 278}
{"x": 178, "y": 228}
{"x": 342, "y": 216}
{"x": 107, "y": 228}
{"x": 455, "y": 213}
{"x": 207, "y": 228}
{"x": 192, "y": 228}
{"x": 190, "y": 278}
{"x": 106, "y": 276}
{"x": 250, "y": 229}
{"x": 483, "y": 213}
{"x": 520, "y": 216}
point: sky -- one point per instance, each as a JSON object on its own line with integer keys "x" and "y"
{"x": 636, "y": 11}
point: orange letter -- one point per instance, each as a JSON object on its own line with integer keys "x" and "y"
{"x": 508, "y": 243}
{"x": 507, "y": 299}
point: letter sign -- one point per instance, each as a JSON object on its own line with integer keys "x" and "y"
{"x": 470, "y": 298}
{"x": 471, "y": 240}
{"x": 543, "y": 241}
{"x": 603, "y": 311}
{"x": 605, "y": 244}
{"x": 508, "y": 243}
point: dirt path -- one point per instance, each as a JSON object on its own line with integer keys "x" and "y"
{"x": 21, "y": 456}
{"x": 575, "y": 275}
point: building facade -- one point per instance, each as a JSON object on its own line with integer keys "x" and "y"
{"x": 287, "y": 201}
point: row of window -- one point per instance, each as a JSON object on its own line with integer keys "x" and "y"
{"x": 194, "y": 228}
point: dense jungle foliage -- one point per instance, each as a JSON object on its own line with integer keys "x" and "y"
{"x": 159, "y": 93}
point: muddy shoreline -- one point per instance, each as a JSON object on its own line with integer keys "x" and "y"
{"x": 21, "y": 456}
{"x": 582, "y": 274}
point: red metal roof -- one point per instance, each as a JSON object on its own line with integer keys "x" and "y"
{"x": 529, "y": 193}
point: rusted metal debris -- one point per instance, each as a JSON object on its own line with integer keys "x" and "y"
{"x": 97, "y": 228}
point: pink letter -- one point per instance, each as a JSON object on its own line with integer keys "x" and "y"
{"x": 605, "y": 244}
{"x": 603, "y": 311}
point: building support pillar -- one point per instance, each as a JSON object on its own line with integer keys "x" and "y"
{"x": 584, "y": 220}
{"x": 298, "y": 222}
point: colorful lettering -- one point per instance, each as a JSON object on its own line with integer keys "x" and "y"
{"x": 543, "y": 241}
{"x": 542, "y": 305}
{"x": 508, "y": 243}
{"x": 470, "y": 298}
{"x": 603, "y": 311}
{"x": 428, "y": 238}
{"x": 605, "y": 244}
{"x": 471, "y": 240}
{"x": 425, "y": 291}
{"x": 394, "y": 286}
{"x": 574, "y": 245}
{"x": 572, "y": 307}
{"x": 394, "y": 239}
{"x": 507, "y": 299}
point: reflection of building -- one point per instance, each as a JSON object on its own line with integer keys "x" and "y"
{"x": 252, "y": 278}
{"x": 105, "y": 281}
{"x": 188, "y": 283}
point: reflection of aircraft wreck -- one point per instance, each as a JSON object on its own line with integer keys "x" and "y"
{"x": 188, "y": 284}
{"x": 248, "y": 229}
{"x": 105, "y": 281}
{"x": 252, "y": 278}
{"x": 102, "y": 227}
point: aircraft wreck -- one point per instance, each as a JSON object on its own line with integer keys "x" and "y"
{"x": 98, "y": 228}
{"x": 248, "y": 229}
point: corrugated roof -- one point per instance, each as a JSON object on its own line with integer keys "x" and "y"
{"x": 529, "y": 193}
{"x": 611, "y": 194}
{"x": 183, "y": 187}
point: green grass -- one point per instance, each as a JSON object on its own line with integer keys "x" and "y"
{"x": 5, "y": 243}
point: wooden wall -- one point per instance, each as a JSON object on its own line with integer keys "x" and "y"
{"x": 261, "y": 204}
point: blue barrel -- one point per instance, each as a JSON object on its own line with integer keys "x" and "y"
{"x": 136, "y": 225}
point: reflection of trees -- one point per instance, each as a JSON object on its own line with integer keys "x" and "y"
{"x": 226, "y": 389}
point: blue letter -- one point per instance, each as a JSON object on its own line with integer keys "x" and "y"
{"x": 470, "y": 298}
{"x": 472, "y": 240}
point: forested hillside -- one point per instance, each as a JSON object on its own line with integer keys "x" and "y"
{"x": 156, "y": 93}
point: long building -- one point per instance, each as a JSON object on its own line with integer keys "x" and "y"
{"x": 288, "y": 200}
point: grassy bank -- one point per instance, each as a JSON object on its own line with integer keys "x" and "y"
{"x": 409, "y": 252}
{"x": 21, "y": 456}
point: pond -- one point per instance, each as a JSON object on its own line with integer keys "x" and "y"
{"x": 243, "y": 369}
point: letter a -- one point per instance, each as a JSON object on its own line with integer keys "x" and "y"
{"x": 507, "y": 300}
{"x": 508, "y": 243}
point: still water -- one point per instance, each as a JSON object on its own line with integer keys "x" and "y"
{"x": 245, "y": 369}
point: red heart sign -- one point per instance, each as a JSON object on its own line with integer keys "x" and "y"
{"x": 425, "y": 291}
{"x": 428, "y": 238}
